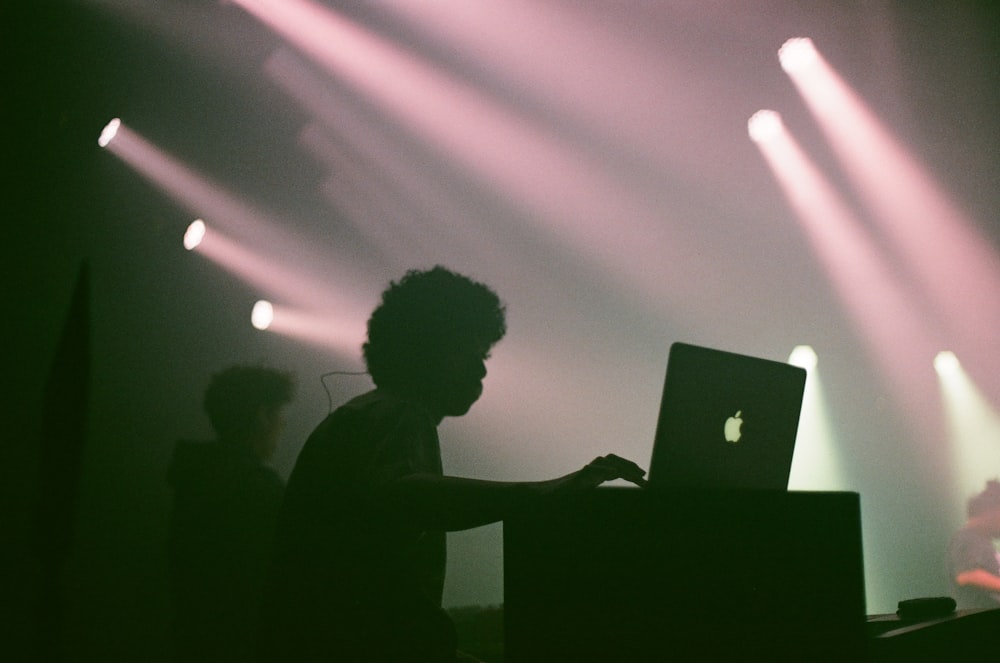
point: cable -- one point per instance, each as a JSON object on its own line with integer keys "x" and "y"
{"x": 329, "y": 395}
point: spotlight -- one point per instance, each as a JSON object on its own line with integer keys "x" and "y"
{"x": 946, "y": 363}
{"x": 194, "y": 234}
{"x": 109, "y": 131}
{"x": 797, "y": 54}
{"x": 764, "y": 125}
{"x": 803, "y": 356}
{"x": 262, "y": 315}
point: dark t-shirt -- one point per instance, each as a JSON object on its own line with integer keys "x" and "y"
{"x": 224, "y": 512}
{"x": 356, "y": 573}
{"x": 970, "y": 550}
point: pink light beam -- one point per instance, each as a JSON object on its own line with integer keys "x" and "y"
{"x": 897, "y": 337}
{"x": 340, "y": 335}
{"x": 954, "y": 264}
{"x": 272, "y": 276}
{"x": 243, "y": 225}
{"x": 572, "y": 197}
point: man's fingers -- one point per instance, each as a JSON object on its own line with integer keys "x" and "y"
{"x": 616, "y": 467}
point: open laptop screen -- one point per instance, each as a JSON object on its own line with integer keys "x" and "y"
{"x": 727, "y": 421}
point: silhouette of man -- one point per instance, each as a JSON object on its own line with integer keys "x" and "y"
{"x": 360, "y": 550}
{"x": 973, "y": 560}
{"x": 226, "y": 502}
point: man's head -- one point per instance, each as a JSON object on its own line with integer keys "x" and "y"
{"x": 984, "y": 508}
{"x": 430, "y": 336}
{"x": 244, "y": 405}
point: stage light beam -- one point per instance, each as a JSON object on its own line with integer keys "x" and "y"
{"x": 194, "y": 234}
{"x": 797, "y": 54}
{"x": 764, "y": 125}
{"x": 803, "y": 356}
{"x": 973, "y": 429}
{"x": 341, "y": 333}
{"x": 946, "y": 363}
{"x": 262, "y": 315}
{"x": 880, "y": 303}
{"x": 816, "y": 464}
{"x": 942, "y": 248}
{"x": 492, "y": 148}
{"x": 109, "y": 132}
{"x": 244, "y": 238}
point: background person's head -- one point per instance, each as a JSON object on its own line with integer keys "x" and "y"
{"x": 430, "y": 335}
{"x": 244, "y": 404}
{"x": 984, "y": 508}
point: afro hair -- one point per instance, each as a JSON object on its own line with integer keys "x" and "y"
{"x": 421, "y": 317}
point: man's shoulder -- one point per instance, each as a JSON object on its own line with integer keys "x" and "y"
{"x": 379, "y": 406}
{"x": 369, "y": 421}
{"x": 370, "y": 430}
{"x": 968, "y": 536}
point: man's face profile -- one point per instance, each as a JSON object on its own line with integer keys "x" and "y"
{"x": 458, "y": 379}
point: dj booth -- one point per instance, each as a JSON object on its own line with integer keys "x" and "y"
{"x": 623, "y": 574}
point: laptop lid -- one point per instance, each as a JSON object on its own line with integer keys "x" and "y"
{"x": 727, "y": 421}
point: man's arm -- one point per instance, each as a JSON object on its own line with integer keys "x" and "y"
{"x": 979, "y": 578}
{"x": 455, "y": 503}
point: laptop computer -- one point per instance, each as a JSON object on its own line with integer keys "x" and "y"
{"x": 692, "y": 574}
{"x": 726, "y": 421}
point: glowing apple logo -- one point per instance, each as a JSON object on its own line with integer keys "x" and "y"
{"x": 734, "y": 426}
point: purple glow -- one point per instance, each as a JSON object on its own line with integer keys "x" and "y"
{"x": 572, "y": 198}
{"x": 337, "y": 334}
{"x": 190, "y": 188}
{"x": 871, "y": 293}
{"x": 277, "y": 277}
{"x": 238, "y": 228}
{"x": 950, "y": 260}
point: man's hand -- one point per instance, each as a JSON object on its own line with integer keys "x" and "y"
{"x": 598, "y": 471}
{"x": 609, "y": 468}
